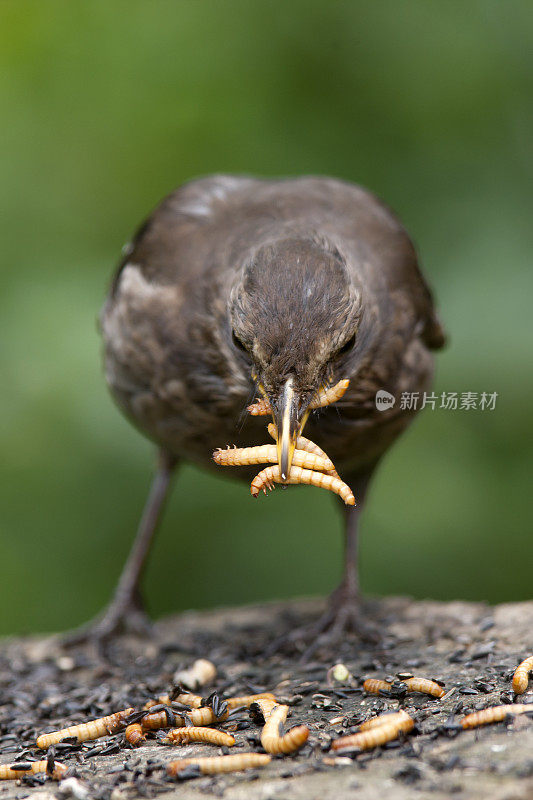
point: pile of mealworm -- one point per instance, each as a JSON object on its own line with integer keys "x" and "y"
{"x": 183, "y": 717}
{"x": 310, "y": 464}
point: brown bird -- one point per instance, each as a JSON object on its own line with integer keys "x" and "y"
{"x": 235, "y": 282}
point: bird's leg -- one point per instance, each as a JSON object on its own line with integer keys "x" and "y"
{"x": 342, "y": 614}
{"x": 125, "y": 610}
{"x": 343, "y": 611}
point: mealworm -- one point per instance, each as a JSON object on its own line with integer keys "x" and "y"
{"x": 271, "y": 739}
{"x": 305, "y": 444}
{"x": 425, "y": 686}
{"x": 274, "y": 717}
{"x": 383, "y": 719}
{"x": 268, "y": 454}
{"x": 198, "y": 674}
{"x": 185, "y": 698}
{"x": 374, "y": 686}
{"x": 375, "y": 737}
{"x": 135, "y": 735}
{"x": 195, "y": 701}
{"x": 14, "y": 771}
{"x": 162, "y": 700}
{"x": 267, "y": 477}
{"x": 521, "y": 675}
{"x": 161, "y": 719}
{"x": 266, "y": 705}
{"x": 195, "y": 734}
{"x": 87, "y": 730}
{"x": 494, "y": 714}
{"x": 325, "y": 397}
{"x": 205, "y": 716}
{"x": 188, "y": 699}
{"x": 214, "y": 765}
{"x": 247, "y": 700}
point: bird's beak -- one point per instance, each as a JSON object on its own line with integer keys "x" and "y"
{"x": 288, "y": 426}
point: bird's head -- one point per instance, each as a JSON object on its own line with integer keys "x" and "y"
{"x": 295, "y": 313}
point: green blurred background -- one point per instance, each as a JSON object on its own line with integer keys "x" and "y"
{"x": 106, "y": 107}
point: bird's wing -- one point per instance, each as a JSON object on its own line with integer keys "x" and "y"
{"x": 171, "y": 242}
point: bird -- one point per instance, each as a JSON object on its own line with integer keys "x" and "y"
{"x": 235, "y": 284}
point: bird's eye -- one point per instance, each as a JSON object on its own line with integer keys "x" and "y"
{"x": 237, "y": 342}
{"x": 347, "y": 346}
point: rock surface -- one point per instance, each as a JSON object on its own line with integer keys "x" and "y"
{"x": 472, "y": 647}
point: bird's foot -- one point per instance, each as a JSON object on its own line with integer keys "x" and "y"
{"x": 343, "y": 616}
{"x": 122, "y": 615}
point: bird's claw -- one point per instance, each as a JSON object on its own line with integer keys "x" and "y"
{"x": 119, "y": 617}
{"x": 342, "y": 616}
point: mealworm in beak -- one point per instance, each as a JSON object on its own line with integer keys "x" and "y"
{"x": 271, "y": 475}
{"x": 325, "y": 398}
{"x": 267, "y": 453}
{"x": 306, "y": 444}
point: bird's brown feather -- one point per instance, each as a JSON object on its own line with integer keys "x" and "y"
{"x": 294, "y": 265}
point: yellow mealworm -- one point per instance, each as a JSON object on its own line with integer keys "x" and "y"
{"x": 214, "y": 765}
{"x": 195, "y": 734}
{"x": 374, "y": 686}
{"x": 494, "y": 714}
{"x": 383, "y": 719}
{"x": 268, "y": 454}
{"x": 134, "y": 734}
{"x": 331, "y": 395}
{"x": 308, "y": 446}
{"x": 195, "y": 701}
{"x": 521, "y": 675}
{"x": 200, "y": 673}
{"x": 163, "y": 700}
{"x": 188, "y": 699}
{"x": 247, "y": 700}
{"x": 87, "y": 730}
{"x": 375, "y": 737}
{"x": 198, "y": 716}
{"x": 294, "y": 739}
{"x": 271, "y": 739}
{"x": 159, "y": 719}
{"x": 325, "y": 398}
{"x": 205, "y": 716}
{"x": 266, "y": 705}
{"x": 425, "y": 686}
{"x": 274, "y": 716}
{"x": 14, "y": 771}
{"x": 267, "y": 477}
{"x": 185, "y": 698}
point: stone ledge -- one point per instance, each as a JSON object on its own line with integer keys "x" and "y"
{"x": 460, "y": 643}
